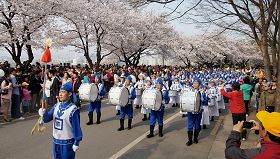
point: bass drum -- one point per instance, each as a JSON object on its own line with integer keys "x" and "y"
{"x": 118, "y": 96}
{"x": 88, "y": 92}
{"x": 152, "y": 99}
{"x": 190, "y": 101}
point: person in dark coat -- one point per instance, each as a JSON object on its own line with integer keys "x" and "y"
{"x": 35, "y": 88}
{"x": 269, "y": 131}
{"x": 76, "y": 85}
{"x": 54, "y": 87}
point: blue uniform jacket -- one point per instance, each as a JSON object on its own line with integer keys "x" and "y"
{"x": 75, "y": 123}
{"x": 204, "y": 100}
{"x": 101, "y": 91}
{"x": 132, "y": 93}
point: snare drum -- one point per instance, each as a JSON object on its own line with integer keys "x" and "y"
{"x": 211, "y": 101}
{"x": 138, "y": 92}
{"x": 118, "y": 96}
{"x": 152, "y": 99}
{"x": 88, "y": 92}
{"x": 172, "y": 93}
{"x": 190, "y": 101}
{"x": 219, "y": 97}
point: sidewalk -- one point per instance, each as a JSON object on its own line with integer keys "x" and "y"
{"x": 218, "y": 147}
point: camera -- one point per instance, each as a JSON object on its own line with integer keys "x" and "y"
{"x": 247, "y": 125}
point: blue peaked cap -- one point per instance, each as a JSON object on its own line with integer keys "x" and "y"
{"x": 129, "y": 78}
{"x": 159, "y": 81}
{"x": 197, "y": 80}
{"x": 98, "y": 76}
{"x": 67, "y": 87}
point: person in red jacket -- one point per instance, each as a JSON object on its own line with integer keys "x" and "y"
{"x": 269, "y": 130}
{"x": 237, "y": 105}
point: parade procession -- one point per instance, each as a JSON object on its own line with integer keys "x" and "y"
{"x": 139, "y": 79}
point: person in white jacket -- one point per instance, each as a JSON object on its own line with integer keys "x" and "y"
{"x": 139, "y": 87}
{"x": 213, "y": 106}
{"x": 176, "y": 89}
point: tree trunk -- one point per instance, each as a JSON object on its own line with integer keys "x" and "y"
{"x": 98, "y": 53}
{"x": 274, "y": 56}
{"x": 86, "y": 54}
{"x": 277, "y": 106}
{"x": 266, "y": 58}
{"x": 16, "y": 59}
{"x": 17, "y": 54}
{"x": 136, "y": 59}
{"x": 30, "y": 55}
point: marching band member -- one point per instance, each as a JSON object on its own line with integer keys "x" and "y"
{"x": 186, "y": 87}
{"x": 67, "y": 132}
{"x": 116, "y": 84}
{"x": 149, "y": 84}
{"x": 119, "y": 84}
{"x": 212, "y": 94}
{"x": 227, "y": 89}
{"x": 96, "y": 105}
{"x": 179, "y": 89}
{"x": 128, "y": 109}
{"x": 139, "y": 85}
{"x": 194, "y": 119}
{"x": 182, "y": 77}
{"x": 153, "y": 79}
{"x": 144, "y": 111}
{"x": 158, "y": 115}
{"x": 176, "y": 86}
{"x": 204, "y": 105}
{"x": 220, "y": 97}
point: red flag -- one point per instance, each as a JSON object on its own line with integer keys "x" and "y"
{"x": 47, "y": 57}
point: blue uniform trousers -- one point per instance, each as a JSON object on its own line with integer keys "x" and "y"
{"x": 156, "y": 115}
{"x": 194, "y": 121}
{"x": 63, "y": 151}
{"x": 127, "y": 110}
{"x": 96, "y": 105}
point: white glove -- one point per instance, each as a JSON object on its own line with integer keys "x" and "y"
{"x": 75, "y": 148}
{"x": 42, "y": 111}
{"x": 41, "y": 122}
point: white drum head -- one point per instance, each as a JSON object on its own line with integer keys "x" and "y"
{"x": 118, "y": 96}
{"x": 152, "y": 99}
{"x": 190, "y": 101}
{"x": 88, "y": 92}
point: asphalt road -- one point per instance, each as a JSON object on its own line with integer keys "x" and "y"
{"x": 104, "y": 141}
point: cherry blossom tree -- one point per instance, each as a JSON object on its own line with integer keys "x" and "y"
{"x": 211, "y": 50}
{"x": 137, "y": 35}
{"x": 85, "y": 24}
{"x": 20, "y": 25}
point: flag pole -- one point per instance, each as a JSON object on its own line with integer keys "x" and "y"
{"x": 45, "y": 59}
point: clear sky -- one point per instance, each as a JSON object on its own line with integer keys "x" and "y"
{"x": 69, "y": 53}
